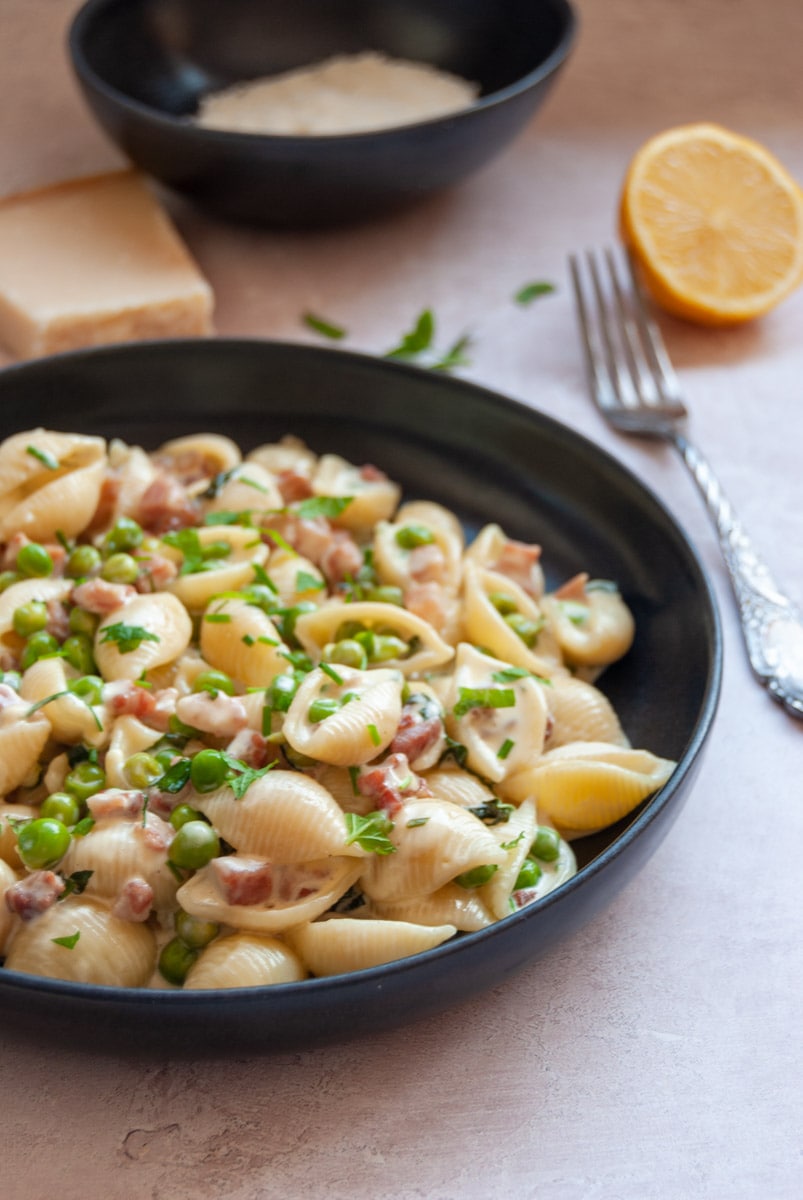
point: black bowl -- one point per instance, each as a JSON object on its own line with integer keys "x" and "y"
{"x": 143, "y": 64}
{"x": 488, "y": 458}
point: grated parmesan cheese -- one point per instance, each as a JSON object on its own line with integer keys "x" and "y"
{"x": 346, "y": 94}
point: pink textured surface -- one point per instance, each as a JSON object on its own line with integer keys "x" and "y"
{"x": 657, "y": 1054}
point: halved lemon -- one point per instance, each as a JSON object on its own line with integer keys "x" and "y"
{"x": 715, "y": 223}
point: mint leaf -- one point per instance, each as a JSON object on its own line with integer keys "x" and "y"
{"x": 531, "y": 291}
{"x": 127, "y": 637}
{"x": 325, "y": 328}
{"x": 370, "y": 832}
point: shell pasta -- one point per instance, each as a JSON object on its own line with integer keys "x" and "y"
{"x": 260, "y": 721}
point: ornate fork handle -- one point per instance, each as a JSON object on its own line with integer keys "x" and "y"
{"x": 771, "y": 623}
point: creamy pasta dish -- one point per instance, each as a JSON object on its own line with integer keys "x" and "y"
{"x": 260, "y": 720}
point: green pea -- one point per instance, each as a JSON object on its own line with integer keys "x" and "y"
{"x": 82, "y": 561}
{"x": 279, "y": 695}
{"x": 477, "y": 877}
{"x": 194, "y": 845}
{"x": 503, "y": 603}
{"x": 120, "y": 568}
{"x": 183, "y": 813}
{"x": 322, "y": 708}
{"x": 547, "y": 844}
{"x": 528, "y": 876}
{"x": 34, "y": 560}
{"x": 42, "y": 843}
{"x": 29, "y": 618}
{"x": 85, "y": 779}
{"x": 7, "y": 578}
{"x": 209, "y": 770}
{"x": 175, "y": 960}
{"x": 83, "y": 621}
{"x": 347, "y": 652}
{"x": 78, "y": 649}
{"x": 142, "y": 769}
{"x": 385, "y": 594}
{"x": 385, "y": 647}
{"x": 62, "y": 806}
{"x": 36, "y": 647}
{"x": 348, "y": 630}
{"x": 194, "y": 932}
{"x": 213, "y": 682}
{"x": 410, "y": 536}
{"x": 125, "y": 534}
{"x": 88, "y": 687}
{"x": 524, "y": 628}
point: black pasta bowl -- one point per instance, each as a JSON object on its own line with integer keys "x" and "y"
{"x": 144, "y": 64}
{"x": 488, "y": 458}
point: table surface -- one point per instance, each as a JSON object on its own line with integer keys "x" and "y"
{"x": 657, "y": 1053}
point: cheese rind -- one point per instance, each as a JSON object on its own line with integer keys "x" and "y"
{"x": 93, "y": 261}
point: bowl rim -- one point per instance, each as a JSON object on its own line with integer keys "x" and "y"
{"x": 89, "y": 77}
{"x": 652, "y": 809}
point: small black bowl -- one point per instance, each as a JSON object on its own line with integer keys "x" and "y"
{"x": 144, "y": 64}
{"x": 487, "y": 458}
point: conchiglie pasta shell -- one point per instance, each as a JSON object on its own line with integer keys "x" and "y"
{"x": 117, "y": 850}
{"x": 284, "y": 816}
{"x": 515, "y": 837}
{"x": 129, "y": 736}
{"x": 586, "y": 786}
{"x": 195, "y": 590}
{"x": 448, "y": 842}
{"x": 244, "y": 960}
{"x": 71, "y": 718}
{"x": 458, "y": 787}
{"x": 485, "y": 626}
{"x": 450, "y": 905}
{"x": 250, "y": 489}
{"x": 23, "y": 592}
{"x": 287, "y": 570}
{"x": 253, "y": 662}
{"x": 553, "y": 874}
{"x": 41, "y": 502}
{"x": 109, "y": 952}
{"x": 392, "y": 562}
{"x": 603, "y": 637}
{"x": 160, "y": 614}
{"x": 302, "y": 892}
{"x": 22, "y": 740}
{"x": 580, "y": 712}
{"x": 8, "y": 838}
{"x": 314, "y": 630}
{"x": 288, "y": 454}
{"x": 338, "y": 782}
{"x": 133, "y": 472}
{"x": 486, "y": 551}
{"x": 200, "y": 456}
{"x": 485, "y": 731}
{"x": 8, "y": 876}
{"x": 343, "y": 944}
{"x": 371, "y": 500}
{"x": 360, "y": 730}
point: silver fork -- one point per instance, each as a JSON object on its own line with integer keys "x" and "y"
{"x": 637, "y": 391}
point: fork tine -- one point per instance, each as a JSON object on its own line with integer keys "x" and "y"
{"x": 652, "y": 340}
{"x": 602, "y": 389}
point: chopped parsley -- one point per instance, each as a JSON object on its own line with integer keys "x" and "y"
{"x": 531, "y": 291}
{"x": 370, "y": 832}
{"x": 505, "y": 748}
{"x": 308, "y": 583}
{"x": 325, "y": 328}
{"x": 75, "y": 884}
{"x": 374, "y": 735}
{"x": 69, "y": 942}
{"x": 322, "y": 506}
{"x": 127, "y": 637}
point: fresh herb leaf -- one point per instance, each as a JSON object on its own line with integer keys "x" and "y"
{"x": 505, "y": 748}
{"x": 354, "y": 775}
{"x": 83, "y": 827}
{"x": 332, "y": 673}
{"x": 493, "y": 811}
{"x": 370, "y": 832}
{"x": 469, "y": 698}
{"x": 531, "y": 291}
{"x": 42, "y": 456}
{"x": 373, "y": 734}
{"x": 457, "y": 751}
{"x": 187, "y": 542}
{"x": 262, "y": 576}
{"x": 228, "y": 517}
{"x": 279, "y": 541}
{"x": 509, "y": 674}
{"x": 325, "y": 328}
{"x": 218, "y": 618}
{"x": 127, "y": 637}
{"x": 416, "y": 821}
{"x": 455, "y": 356}
{"x": 417, "y": 340}
{"x": 308, "y": 583}
{"x": 322, "y": 506}
{"x": 242, "y": 776}
{"x": 175, "y": 777}
{"x": 75, "y": 884}
{"x": 511, "y": 845}
{"x": 69, "y": 942}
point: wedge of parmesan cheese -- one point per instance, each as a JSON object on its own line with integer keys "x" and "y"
{"x": 92, "y": 261}
{"x": 351, "y": 93}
